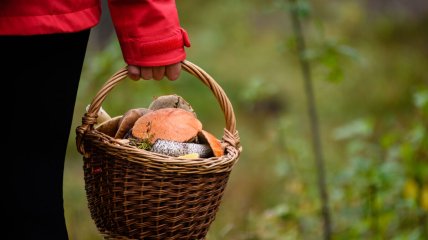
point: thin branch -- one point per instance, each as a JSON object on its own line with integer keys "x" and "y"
{"x": 312, "y": 111}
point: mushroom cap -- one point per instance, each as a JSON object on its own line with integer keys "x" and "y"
{"x": 128, "y": 120}
{"x": 109, "y": 127}
{"x": 171, "y": 101}
{"x": 172, "y": 124}
{"x": 215, "y": 144}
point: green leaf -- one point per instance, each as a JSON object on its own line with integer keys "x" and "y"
{"x": 407, "y": 152}
{"x": 418, "y": 134}
{"x": 311, "y": 54}
{"x": 348, "y": 51}
{"x": 420, "y": 99}
{"x": 302, "y": 7}
{"x": 335, "y": 75}
{"x": 357, "y": 128}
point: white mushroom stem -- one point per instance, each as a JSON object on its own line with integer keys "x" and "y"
{"x": 103, "y": 116}
{"x": 176, "y": 149}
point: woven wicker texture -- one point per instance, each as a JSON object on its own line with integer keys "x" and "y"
{"x": 137, "y": 194}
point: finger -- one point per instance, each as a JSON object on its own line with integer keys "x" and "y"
{"x": 158, "y": 72}
{"x": 133, "y": 72}
{"x": 146, "y": 73}
{"x": 172, "y": 72}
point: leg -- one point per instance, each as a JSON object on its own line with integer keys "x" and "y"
{"x": 45, "y": 71}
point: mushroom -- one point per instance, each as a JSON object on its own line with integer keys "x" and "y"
{"x": 103, "y": 116}
{"x": 172, "y": 124}
{"x": 214, "y": 143}
{"x": 109, "y": 127}
{"x": 190, "y": 156}
{"x": 178, "y": 149}
{"x": 171, "y": 101}
{"x": 128, "y": 120}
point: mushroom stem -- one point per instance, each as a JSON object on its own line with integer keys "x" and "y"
{"x": 103, "y": 116}
{"x": 176, "y": 149}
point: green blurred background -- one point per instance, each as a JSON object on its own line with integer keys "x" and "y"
{"x": 368, "y": 62}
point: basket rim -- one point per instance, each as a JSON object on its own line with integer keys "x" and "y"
{"x": 164, "y": 163}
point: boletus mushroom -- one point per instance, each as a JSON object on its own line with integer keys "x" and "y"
{"x": 172, "y": 124}
{"x": 102, "y": 115}
{"x": 109, "y": 127}
{"x": 128, "y": 120}
{"x": 171, "y": 101}
{"x": 176, "y": 149}
{"x": 212, "y": 141}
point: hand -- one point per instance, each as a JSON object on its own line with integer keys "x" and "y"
{"x": 172, "y": 72}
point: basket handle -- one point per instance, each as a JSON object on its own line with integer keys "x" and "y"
{"x": 90, "y": 117}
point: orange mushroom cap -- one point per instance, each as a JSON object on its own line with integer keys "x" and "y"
{"x": 173, "y": 124}
{"x": 214, "y": 143}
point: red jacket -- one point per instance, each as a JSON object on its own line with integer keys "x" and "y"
{"x": 149, "y": 31}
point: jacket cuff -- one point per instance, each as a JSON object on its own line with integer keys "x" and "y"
{"x": 166, "y": 51}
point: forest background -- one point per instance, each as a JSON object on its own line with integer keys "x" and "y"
{"x": 367, "y": 60}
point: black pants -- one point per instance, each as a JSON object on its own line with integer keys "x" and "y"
{"x": 45, "y": 72}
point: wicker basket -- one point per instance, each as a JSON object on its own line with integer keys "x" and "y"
{"x": 137, "y": 194}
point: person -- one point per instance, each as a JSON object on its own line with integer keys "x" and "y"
{"x": 43, "y": 45}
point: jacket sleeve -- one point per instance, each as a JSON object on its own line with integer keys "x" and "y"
{"x": 149, "y": 31}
